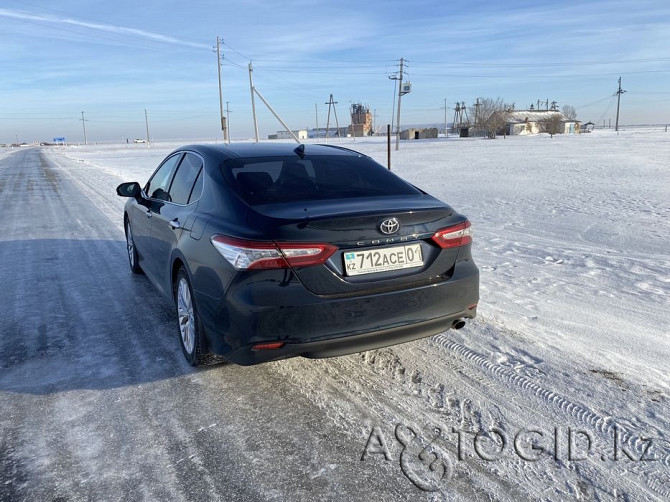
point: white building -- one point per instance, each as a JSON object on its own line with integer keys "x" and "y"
{"x": 300, "y": 134}
{"x": 522, "y": 122}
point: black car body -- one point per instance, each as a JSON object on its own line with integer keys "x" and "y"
{"x": 271, "y": 251}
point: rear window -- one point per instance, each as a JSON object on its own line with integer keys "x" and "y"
{"x": 289, "y": 179}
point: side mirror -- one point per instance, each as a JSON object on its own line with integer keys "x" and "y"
{"x": 131, "y": 189}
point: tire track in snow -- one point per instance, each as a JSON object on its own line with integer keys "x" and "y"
{"x": 411, "y": 384}
{"x": 606, "y": 425}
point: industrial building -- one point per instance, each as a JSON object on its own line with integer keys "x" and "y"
{"x": 361, "y": 121}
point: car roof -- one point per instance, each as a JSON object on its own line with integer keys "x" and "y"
{"x": 247, "y": 150}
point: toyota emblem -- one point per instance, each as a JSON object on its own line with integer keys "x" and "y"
{"x": 389, "y": 226}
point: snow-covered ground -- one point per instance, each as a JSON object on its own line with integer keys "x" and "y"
{"x": 572, "y": 232}
{"x": 560, "y": 389}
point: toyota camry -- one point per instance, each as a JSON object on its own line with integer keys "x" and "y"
{"x": 269, "y": 251}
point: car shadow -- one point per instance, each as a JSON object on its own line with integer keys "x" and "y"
{"x": 75, "y": 317}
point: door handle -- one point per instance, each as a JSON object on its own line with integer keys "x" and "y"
{"x": 175, "y": 224}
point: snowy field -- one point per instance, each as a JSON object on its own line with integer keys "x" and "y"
{"x": 560, "y": 389}
{"x": 572, "y": 233}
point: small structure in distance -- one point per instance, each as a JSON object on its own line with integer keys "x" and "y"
{"x": 361, "y": 121}
{"x": 521, "y": 122}
{"x": 425, "y": 133}
{"x": 300, "y": 134}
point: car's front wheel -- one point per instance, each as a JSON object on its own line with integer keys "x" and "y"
{"x": 190, "y": 336}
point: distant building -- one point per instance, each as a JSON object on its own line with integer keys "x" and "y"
{"x": 361, "y": 121}
{"x": 331, "y": 132}
{"x": 588, "y": 127}
{"x": 300, "y": 134}
{"x": 523, "y": 122}
{"x": 428, "y": 133}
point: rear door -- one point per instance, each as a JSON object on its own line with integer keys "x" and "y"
{"x": 171, "y": 216}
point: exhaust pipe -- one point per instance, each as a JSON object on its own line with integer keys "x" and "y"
{"x": 458, "y": 324}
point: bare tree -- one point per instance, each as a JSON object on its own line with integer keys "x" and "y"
{"x": 490, "y": 116}
{"x": 553, "y": 124}
{"x": 569, "y": 112}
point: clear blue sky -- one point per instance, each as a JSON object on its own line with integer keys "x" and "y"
{"x": 113, "y": 60}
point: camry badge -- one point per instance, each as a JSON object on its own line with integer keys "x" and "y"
{"x": 389, "y": 226}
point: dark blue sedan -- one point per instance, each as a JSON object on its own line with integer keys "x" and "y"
{"x": 270, "y": 251}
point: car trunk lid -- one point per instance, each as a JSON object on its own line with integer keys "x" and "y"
{"x": 357, "y": 232}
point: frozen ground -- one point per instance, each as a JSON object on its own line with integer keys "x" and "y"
{"x": 558, "y": 391}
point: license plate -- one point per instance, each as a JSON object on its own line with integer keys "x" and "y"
{"x": 383, "y": 260}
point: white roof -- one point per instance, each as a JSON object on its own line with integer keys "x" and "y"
{"x": 520, "y": 116}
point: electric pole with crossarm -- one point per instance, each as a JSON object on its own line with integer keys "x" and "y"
{"x": 224, "y": 129}
{"x": 403, "y": 88}
{"x": 619, "y": 92}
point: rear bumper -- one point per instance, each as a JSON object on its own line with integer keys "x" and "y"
{"x": 314, "y": 326}
{"x": 350, "y": 344}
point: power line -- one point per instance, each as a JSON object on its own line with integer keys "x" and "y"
{"x": 236, "y": 51}
{"x": 418, "y": 63}
{"x": 547, "y": 76}
{"x": 594, "y": 102}
{"x": 606, "y": 109}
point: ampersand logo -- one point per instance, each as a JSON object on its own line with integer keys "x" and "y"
{"x": 425, "y": 466}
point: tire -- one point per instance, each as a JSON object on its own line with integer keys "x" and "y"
{"x": 133, "y": 258}
{"x": 191, "y": 338}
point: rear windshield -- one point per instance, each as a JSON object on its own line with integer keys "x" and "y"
{"x": 289, "y": 179}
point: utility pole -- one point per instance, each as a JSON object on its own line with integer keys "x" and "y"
{"x": 402, "y": 90}
{"x": 388, "y": 145}
{"x": 337, "y": 123}
{"x": 253, "y": 102}
{"x": 619, "y": 92}
{"x": 446, "y": 131}
{"x": 218, "y": 67}
{"x": 395, "y": 84}
{"x": 83, "y": 123}
{"x": 397, "y": 128}
{"x": 272, "y": 110}
{"x": 316, "y": 112}
{"x": 228, "y": 122}
{"x": 146, "y": 123}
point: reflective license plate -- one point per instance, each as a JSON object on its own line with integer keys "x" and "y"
{"x": 383, "y": 260}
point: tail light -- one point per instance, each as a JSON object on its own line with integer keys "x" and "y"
{"x": 454, "y": 236}
{"x": 252, "y": 255}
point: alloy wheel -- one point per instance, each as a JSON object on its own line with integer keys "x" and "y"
{"x": 186, "y": 315}
{"x": 130, "y": 245}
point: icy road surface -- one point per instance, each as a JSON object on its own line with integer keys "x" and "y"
{"x": 558, "y": 391}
